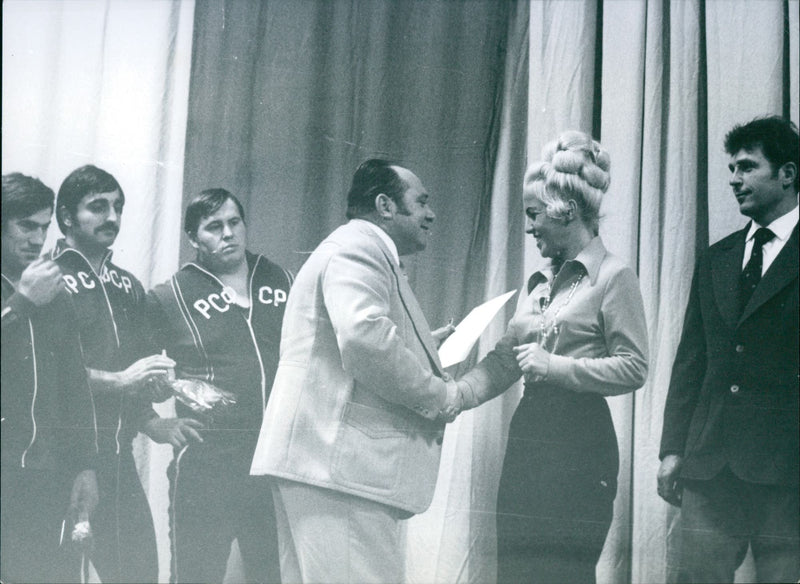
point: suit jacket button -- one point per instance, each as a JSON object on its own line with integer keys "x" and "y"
{"x": 734, "y": 389}
{"x": 740, "y": 348}
{"x": 446, "y": 377}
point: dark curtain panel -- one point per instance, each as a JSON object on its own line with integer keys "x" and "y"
{"x": 287, "y": 98}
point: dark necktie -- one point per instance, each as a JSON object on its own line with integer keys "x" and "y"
{"x": 751, "y": 275}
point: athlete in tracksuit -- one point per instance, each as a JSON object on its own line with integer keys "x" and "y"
{"x": 235, "y": 348}
{"x": 48, "y": 436}
{"x": 49, "y": 439}
{"x": 109, "y": 305}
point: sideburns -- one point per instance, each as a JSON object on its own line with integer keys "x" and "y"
{"x": 402, "y": 209}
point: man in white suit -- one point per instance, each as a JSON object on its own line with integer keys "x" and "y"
{"x": 354, "y": 423}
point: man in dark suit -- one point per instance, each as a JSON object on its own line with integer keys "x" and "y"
{"x": 729, "y": 447}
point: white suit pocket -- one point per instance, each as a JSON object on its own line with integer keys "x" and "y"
{"x": 369, "y": 448}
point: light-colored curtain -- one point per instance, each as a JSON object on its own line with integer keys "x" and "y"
{"x": 287, "y": 97}
{"x": 675, "y": 77}
{"x": 460, "y": 524}
{"x": 106, "y": 83}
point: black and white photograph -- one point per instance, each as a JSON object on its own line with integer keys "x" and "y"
{"x": 400, "y": 291}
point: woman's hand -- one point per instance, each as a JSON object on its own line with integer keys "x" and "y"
{"x": 533, "y": 360}
{"x": 440, "y": 335}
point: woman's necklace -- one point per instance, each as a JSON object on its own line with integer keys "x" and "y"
{"x": 545, "y": 330}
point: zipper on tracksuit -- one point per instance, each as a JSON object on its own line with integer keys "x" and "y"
{"x": 57, "y": 254}
{"x": 35, "y": 394}
{"x": 248, "y": 320}
{"x": 34, "y": 431}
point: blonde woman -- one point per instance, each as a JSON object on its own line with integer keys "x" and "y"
{"x": 578, "y": 336}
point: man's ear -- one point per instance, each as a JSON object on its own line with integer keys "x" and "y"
{"x": 192, "y": 240}
{"x": 63, "y": 214}
{"x": 384, "y": 206}
{"x": 788, "y": 173}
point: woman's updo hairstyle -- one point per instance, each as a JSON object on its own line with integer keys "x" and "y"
{"x": 573, "y": 167}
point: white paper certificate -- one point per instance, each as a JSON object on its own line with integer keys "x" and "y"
{"x": 458, "y": 345}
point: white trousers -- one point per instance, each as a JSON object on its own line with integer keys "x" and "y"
{"x": 327, "y": 537}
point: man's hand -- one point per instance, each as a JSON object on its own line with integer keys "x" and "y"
{"x": 176, "y": 431}
{"x": 84, "y": 495}
{"x": 439, "y": 335}
{"x": 533, "y": 360}
{"x": 134, "y": 377}
{"x": 41, "y": 281}
{"x": 459, "y": 404}
{"x": 83, "y": 502}
{"x": 138, "y": 379}
{"x": 668, "y": 473}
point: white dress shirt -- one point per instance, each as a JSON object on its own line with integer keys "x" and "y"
{"x": 782, "y": 227}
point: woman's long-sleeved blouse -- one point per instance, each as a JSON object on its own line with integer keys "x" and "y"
{"x": 589, "y": 317}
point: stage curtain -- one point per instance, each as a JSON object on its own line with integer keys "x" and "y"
{"x": 674, "y": 77}
{"x": 279, "y": 101}
{"x": 288, "y": 98}
{"x": 299, "y": 96}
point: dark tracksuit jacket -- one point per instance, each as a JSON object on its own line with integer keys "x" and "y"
{"x": 48, "y": 432}
{"x": 110, "y": 308}
{"x": 197, "y": 321}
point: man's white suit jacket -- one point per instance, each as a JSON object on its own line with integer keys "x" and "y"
{"x": 359, "y": 386}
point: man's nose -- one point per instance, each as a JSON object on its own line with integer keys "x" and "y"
{"x": 736, "y": 178}
{"x": 227, "y": 232}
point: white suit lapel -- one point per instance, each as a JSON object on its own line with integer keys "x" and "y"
{"x": 418, "y": 319}
{"x": 410, "y": 303}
